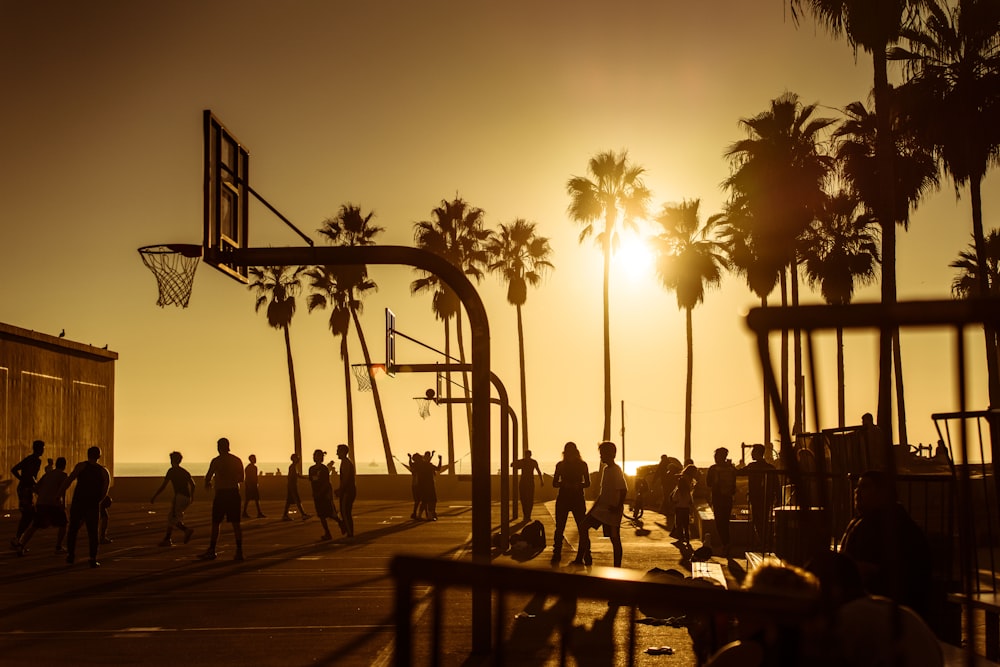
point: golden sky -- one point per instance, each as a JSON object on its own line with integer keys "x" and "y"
{"x": 395, "y": 106}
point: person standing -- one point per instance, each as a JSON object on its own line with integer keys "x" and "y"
{"x": 348, "y": 491}
{"x": 51, "y": 507}
{"x": 292, "y": 497}
{"x": 183, "y": 486}
{"x": 319, "y": 478}
{"x": 92, "y": 484}
{"x": 26, "y": 473}
{"x": 251, "y": 484}
{"x": 721, "y": 482}
{"x": 610, "y": 504}
{"x": 227, "y": 471}
{"x": 571, "y": 477}
{"x": 683, "y": 499}
{"x": 763, "y": 484}
{"x": 527, "y": 467}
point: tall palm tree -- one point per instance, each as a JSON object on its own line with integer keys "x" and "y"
{"x": 778, "y": 175}
{"x": 874, "y": 25}
{"x": 689, "y": 258}
{"x": 277, "y": 287}
{"x": 329, "y": 289}
{"x": 521, "y": 258}
{"x": 953, "y": 59}
{"x": 610, "y": 200}
{"x": 915, "y": 172}
{"x": 839, "y": 251}
{"x": 350, "y": 227}
{"x": 457, "y": 233}
{"x": 967, "y": 283}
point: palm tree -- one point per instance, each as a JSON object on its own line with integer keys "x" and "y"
{"x": 350, "y": 227}
{"x": 839, "y": 251}
{"x": 777, "y": 179}
{"x": 609, "y": 201}
{"x": 967, "y": 284}
{"x": 520, "y": 257}
{"x": 329, "y": 289}
{"x": 874, "y": 25}
{"x": 953, "y": 59}
{"x": 277, "y": 287}
{"x": 914, "y": 173}
{"x": 688, "y": 259}
{"x": 456, "y": 233}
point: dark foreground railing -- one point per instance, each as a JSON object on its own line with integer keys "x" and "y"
{"x": 619, "y": 587}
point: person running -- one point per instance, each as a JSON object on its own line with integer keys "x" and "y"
{"x": 293, "y": 498}
{"x": 92, "y": 484}
{"x": 610, "y": 504}
{"x": 571, "y": 477}
{"x": 50, "y": 509}
{"x": 183, "y": 485}
{"x": 26, "y": 473}
{"x": 227, "y": 471}
{"x": 319, "y": 477}
{"x": 251, "y": 486}
{"x": 347, "y": 491}
{"x": 527, "y": 467}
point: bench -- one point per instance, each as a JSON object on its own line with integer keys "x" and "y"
{"x": 709, "y": 570}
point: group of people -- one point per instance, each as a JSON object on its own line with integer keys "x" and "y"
{"x": 424, "y": 488}
{"x": 41, "y": 499}
{"x": 89, "y": 506}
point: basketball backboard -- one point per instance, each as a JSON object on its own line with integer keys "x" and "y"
{"x": 227, "y": 197}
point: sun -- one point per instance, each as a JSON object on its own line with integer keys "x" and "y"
{"x": 634, "y": 257}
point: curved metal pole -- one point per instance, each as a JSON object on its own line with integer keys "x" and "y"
{"x": 480, "y": 328}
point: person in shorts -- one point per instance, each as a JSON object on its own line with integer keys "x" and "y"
{"x": 251, "y": 487}
{"x": 227, "y": 471}
{"x": 50, "y": 510}
{"x": 183, "y": 485}
{"x": 319, "y": 478}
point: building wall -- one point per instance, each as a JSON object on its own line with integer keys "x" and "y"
{"x": 55, "y": 390}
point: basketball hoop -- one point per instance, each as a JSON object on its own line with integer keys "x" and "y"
{"x": 424, "y": 403}
{"x": 364, "y": 373}
{"x": 174, "y": 265}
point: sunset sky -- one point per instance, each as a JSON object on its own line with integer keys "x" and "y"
{"x": 395, "y": 106}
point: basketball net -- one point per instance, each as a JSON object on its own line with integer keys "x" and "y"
{"x": 423, "y": 407}
{"x": 174, "y": 265}
{"x": 364, "y": 373}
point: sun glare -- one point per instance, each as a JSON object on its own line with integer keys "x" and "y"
{"x": 634, "y": 258}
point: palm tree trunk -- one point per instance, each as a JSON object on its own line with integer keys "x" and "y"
{"x": 296, "y": 426}
{"x": 784, "y": 350}
{"x": 841, "y": 390}
{"x": 900, "y": 403}
{"x": 799, "y": 421}
{"x": 979, "y": 238}
{"x": 606, "y": 432}
{"x": 767, "y": 397}
{"x": 390, "y": 464}
{"x": 524, "y": 382}
{"x": 886, "y": 215}
{"x": 447, "y": 393}
{"x": 460, "y": 338}
{"x": 346, "y": 359}
{"x": 689, "y": 385}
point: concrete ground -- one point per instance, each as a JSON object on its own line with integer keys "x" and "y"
{"x": 295, "y": 600}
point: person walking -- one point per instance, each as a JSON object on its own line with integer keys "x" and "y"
{"x": 527, "y": 467}
{"x": 26, "y": 474}
{"x": 92, "y": 484}
{"x": 251, "y": 486}
{"x": 319, "y": 478}
{"x": 50, "y": 510}
{"x": 721, "y": 480}
{"x": 292, "y": 497}
{"x": 348, "y": 491}
{"x": 571, "y": 477}
{"x": 183, "y": 485}
{"x": 610, "y": 504}
{"x": 227, "y": 471}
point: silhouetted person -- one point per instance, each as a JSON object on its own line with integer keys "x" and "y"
{"x": 322, "y": 490}
{"x": 721, "y": 482}
{"x": 527, "y": 467}
{"x": 292, "y": 497}
{"x": 426, "y": 487}
{"x": 667, "y": 471}
{"x": 251, "y": 485}
{"x": 683, "y": 497}
{"x": 413, "y": 462}
{"x": 571, "y": 477}
{"x": 92, "y": 483}
{"x": 610, "y": 504}
{"x": 26, "y": 473}
{"x": 227, "y": 471}
{"x": 763, "y": 487}
{"x": 49, "y": 466}
{"x": 50, "y": 510}
{"x": 888, "y": 547}
{"x": 183, "y": 486}
{"x": 348, "y": 490}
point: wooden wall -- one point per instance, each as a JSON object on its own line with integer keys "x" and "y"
{"x": 56, "y": 390}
